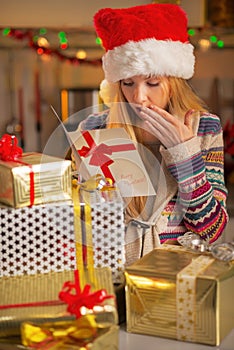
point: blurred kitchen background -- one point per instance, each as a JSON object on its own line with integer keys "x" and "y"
{"x": 50, "y": 55}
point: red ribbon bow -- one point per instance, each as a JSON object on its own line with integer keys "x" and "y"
{"x": 81, "y": 298}
{"x": 9, "y": 149}
{"x": 99, "y": 153}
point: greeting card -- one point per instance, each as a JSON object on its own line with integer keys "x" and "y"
{"x": 112, "y": 153}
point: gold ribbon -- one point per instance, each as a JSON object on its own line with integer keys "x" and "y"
{"x": 83, "y": 223}
{"x": 186, "y": 297}
{"x": 97, "y": 182}
{"x": 84, "y": 249}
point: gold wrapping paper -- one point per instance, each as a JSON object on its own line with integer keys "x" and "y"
{"x": 177, "y": 294}
{"x": 45, "y": 288}
{"x": 83, "y": 333}
{"x": 34, "y": 179}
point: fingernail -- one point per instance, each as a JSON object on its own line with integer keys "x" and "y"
{"x": 189, "y": 112}
{"x": 139, "y": 109}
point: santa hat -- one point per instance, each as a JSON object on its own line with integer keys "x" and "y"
{"x": 145, "y": 40}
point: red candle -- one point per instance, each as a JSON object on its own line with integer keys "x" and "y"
{"x": 21, "y": 114}
{"x": 37, "y": 102}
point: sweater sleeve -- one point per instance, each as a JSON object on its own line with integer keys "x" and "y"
{"x": 94, "y": 121}
{"x": 198, "y": 167}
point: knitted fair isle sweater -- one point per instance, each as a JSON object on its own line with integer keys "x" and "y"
{"x": 199, "y": 174}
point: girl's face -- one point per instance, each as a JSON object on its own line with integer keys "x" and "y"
{"x": 145, "y": 91}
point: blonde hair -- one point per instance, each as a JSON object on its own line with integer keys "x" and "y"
{"x": 182, "y": 98}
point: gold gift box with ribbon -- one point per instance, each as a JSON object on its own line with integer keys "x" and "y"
{"x": 31, "y": 298}
{"x": 34, "y": 178}
{"x": 37, "y": 299}
{"x": 177, "y": 294}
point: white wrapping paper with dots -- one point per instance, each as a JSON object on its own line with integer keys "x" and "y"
{"x": 108, "y": 230}
{"x": 37, "y": 239}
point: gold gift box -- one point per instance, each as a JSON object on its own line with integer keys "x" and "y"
{"x": 26, "y": 290}
{"x": 35, "y": 298}
{"x": 34, "y": 175}
{"x": 173, "y": 293}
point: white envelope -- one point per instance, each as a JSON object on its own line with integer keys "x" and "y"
{"x": 112, "y": 153}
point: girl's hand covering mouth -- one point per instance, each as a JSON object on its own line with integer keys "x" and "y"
{"x": 168, "y": 129}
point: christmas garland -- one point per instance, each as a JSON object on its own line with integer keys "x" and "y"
{"x": 42, "y": 50}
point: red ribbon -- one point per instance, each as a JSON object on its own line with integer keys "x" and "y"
{"x": 67, "y": 296}
{"x": 99, "y": 153}
{"x": 33, "y": 304}
{"x": 81, "y": 298}
{"x": 9, "y": 149}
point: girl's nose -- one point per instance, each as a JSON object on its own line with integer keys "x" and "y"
{"x": 139, "y": 95}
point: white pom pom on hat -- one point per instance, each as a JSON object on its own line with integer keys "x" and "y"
{"x": 108, "y": 91}
{"x": 145, "y": 40}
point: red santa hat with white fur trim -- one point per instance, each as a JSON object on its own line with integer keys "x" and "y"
{"x": 145, "y": 40}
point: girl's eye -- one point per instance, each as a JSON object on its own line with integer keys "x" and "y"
{"x": 127, "y": 83}
{"x": 156, "y": 83}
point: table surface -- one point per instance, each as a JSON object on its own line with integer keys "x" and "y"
{"x": 130, "y": 341}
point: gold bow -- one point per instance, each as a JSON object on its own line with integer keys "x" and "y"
{"x": 79, "y": 332}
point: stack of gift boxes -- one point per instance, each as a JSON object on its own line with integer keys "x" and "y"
{"x": 51, "y": 227}
{"x": 37, "y": 211}
{"x": 39, "y": 248}
{"x": 37, "y": 220}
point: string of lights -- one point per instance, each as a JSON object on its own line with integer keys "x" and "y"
{"x": 40, "y": 44}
